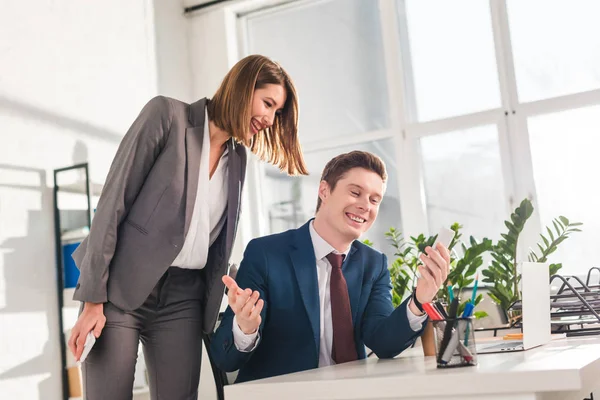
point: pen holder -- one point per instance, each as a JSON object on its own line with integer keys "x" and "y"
{"x": 454, "y": 343}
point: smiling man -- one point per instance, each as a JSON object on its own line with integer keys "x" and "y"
{"x": 316, "y": 296}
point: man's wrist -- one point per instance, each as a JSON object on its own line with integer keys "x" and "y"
{"x": 415, "y": 305}
{"x": 247, "y": 333}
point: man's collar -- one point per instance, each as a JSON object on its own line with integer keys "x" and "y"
{"x": 320, "y": 245}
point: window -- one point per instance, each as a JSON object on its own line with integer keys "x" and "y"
{"x": 463, "y": 181}
{"x": 556, "y": 47}
{"x": 453, "y": 60}
{"x": 564, "y": 149}
{"x": 333, "y": 51}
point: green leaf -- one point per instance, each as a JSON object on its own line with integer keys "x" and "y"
{"x": 480, "y": 314}
{"x": 478, "y": 298}
{"x": 556, "y": 227}
{"x": 541, "y": 248}
{"x": 554, "y": 268}
{"x": 576, "y": 224}
{"x": 564, "y": 220}
{"x": 550, "y": 234}
{"x": 472, "y": 241}
{"x": 511, "y": 227}
{"x": 494, "y": 298}
{"x": 545, "y": 240}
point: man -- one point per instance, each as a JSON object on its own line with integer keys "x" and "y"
{"x": 315, "y": 296}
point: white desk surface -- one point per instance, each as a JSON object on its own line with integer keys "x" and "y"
{"x": 567, "y": 368}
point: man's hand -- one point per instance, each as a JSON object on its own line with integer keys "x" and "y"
{"x": 245, "y": 304}
{"x": 434, "y": 271}
{"x": 92, "y": 317}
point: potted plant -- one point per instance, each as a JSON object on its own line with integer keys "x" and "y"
{"x": 503, "y": 275}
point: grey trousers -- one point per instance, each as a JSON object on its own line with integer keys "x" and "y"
{"x": 169, "y": 325}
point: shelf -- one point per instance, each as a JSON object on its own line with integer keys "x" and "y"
{"x": 79, "y": 188}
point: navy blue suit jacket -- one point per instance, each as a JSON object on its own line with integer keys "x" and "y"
{"x": 283, "y": 269}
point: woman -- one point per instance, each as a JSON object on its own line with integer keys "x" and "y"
{"x": 164, "y": 227}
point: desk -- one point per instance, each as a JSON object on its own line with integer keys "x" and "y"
{"x": 567, "y": 368}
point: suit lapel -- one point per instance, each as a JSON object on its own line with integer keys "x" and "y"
{"x": 193, "y": 150}
{"x": 305, "y": 268}
{"x": 353, "y": 270}
{"x": 234, "y": 193}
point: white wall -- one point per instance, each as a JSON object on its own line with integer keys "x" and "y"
{"x": 73, "y": 76}
{"x": 172, "y": 37}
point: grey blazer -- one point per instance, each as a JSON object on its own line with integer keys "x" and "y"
{"x": 145, "y": 209}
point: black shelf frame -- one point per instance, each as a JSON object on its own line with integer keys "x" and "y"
{"x": 60, "y": 266}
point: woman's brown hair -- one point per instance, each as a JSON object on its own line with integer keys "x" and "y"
{"x": 230, "y": 110}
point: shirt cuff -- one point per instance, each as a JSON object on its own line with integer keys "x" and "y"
{"x": 244, "y": 343}
{"x": 415, "y": 321}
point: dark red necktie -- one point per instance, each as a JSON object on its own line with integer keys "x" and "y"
{"x": 344, "y": 349}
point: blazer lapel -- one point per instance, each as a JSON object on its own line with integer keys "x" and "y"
{"x": 305, "y": 267}
{"x": 193, "y": 150}
{"x": 234, "y": 193}
{"x": 353, "y": 270}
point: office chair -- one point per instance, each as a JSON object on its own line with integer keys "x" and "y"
{"x": 220, "y": 376}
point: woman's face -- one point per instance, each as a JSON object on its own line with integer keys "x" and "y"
{"x": 266, "y": 103}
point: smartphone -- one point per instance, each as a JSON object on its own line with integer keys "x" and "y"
{"x": 89, "y": 343}
{"x": 444, "y": 237}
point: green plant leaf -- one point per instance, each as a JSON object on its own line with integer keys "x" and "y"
{"x": 554, "y": 268}
{"x": 546, "y": 242}
{"x": 558, "y": 231}
{"x": 480, "y": 314}
{"x": 564, "y": 220}
{"x": 510, "y": 227}
{"x": 550, "y": 234}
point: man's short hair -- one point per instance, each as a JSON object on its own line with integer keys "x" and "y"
{"x": 337, "y": 167}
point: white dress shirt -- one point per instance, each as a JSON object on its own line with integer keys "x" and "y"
{"x": 248, "y": 343}
{"x": 209, "y": 213}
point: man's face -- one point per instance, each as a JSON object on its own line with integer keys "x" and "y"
{"x": 351, "y": 208}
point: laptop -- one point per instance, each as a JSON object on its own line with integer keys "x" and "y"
{"x": 535, "y": 283}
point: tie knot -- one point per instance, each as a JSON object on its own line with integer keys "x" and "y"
{"x": 336, "y": 260}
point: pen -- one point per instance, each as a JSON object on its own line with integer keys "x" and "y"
{"x": 450, "y": 347}
{"x": 450, "y": 292}
{"x": 469, "y": 308}
{"x": 432, "y": 312}
{"x": 440, "y": 308}
{"x": 468, "y": 311}
{"x": 513, "y": 336}
{"x": 453, "y": 308}
{"x": 448, "y": 330}
{"x": 474, "y": 295}
{"x": 465, "y": 352}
